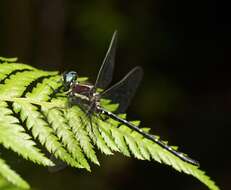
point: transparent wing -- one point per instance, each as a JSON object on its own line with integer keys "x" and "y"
{"x": 105, "y": 74}
{"x": 123, "y": 91}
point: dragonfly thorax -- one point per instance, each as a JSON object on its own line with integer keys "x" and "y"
{"x": 85, "y": 96}
{"x": 82, "y": 89}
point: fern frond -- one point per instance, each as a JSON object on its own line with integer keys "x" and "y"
{"x": 35, "y": 118}
{"x": 98, "y": 139}
{"x": 17, "y": 84}
{"x": 42, "y": 91}
{"x": 35, "y": 122}
{"x": 77, "y": 125}
{"x": 119, "y": 140}
{"x": 11, "y": 176}
{"x": 10, "y": 69}
{"x": 57, "y": 120}
{"x": 14, "y": 137}
{"x": 159, "y": 154}
{"x": 63, "y": 131}
{"x": 106, "y": 134}
{"x": 4, "y": 59}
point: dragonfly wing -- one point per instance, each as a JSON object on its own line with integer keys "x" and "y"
{"x": 105, "y": 74}
{"x": 123, "y": 91}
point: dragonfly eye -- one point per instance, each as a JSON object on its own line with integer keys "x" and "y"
{"x": 69, "y": 78}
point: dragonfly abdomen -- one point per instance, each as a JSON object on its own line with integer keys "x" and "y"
{"x": 150, "y": 137}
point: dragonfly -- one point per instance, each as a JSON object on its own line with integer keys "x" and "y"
{"x": 87, "y": 96}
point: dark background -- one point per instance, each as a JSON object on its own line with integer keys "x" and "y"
{"x": 185, "y": 95}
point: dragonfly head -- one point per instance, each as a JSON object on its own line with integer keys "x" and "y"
{"x": 69, "y": 78}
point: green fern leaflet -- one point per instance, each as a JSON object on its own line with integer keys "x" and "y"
{"x": 31, "y": 114}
